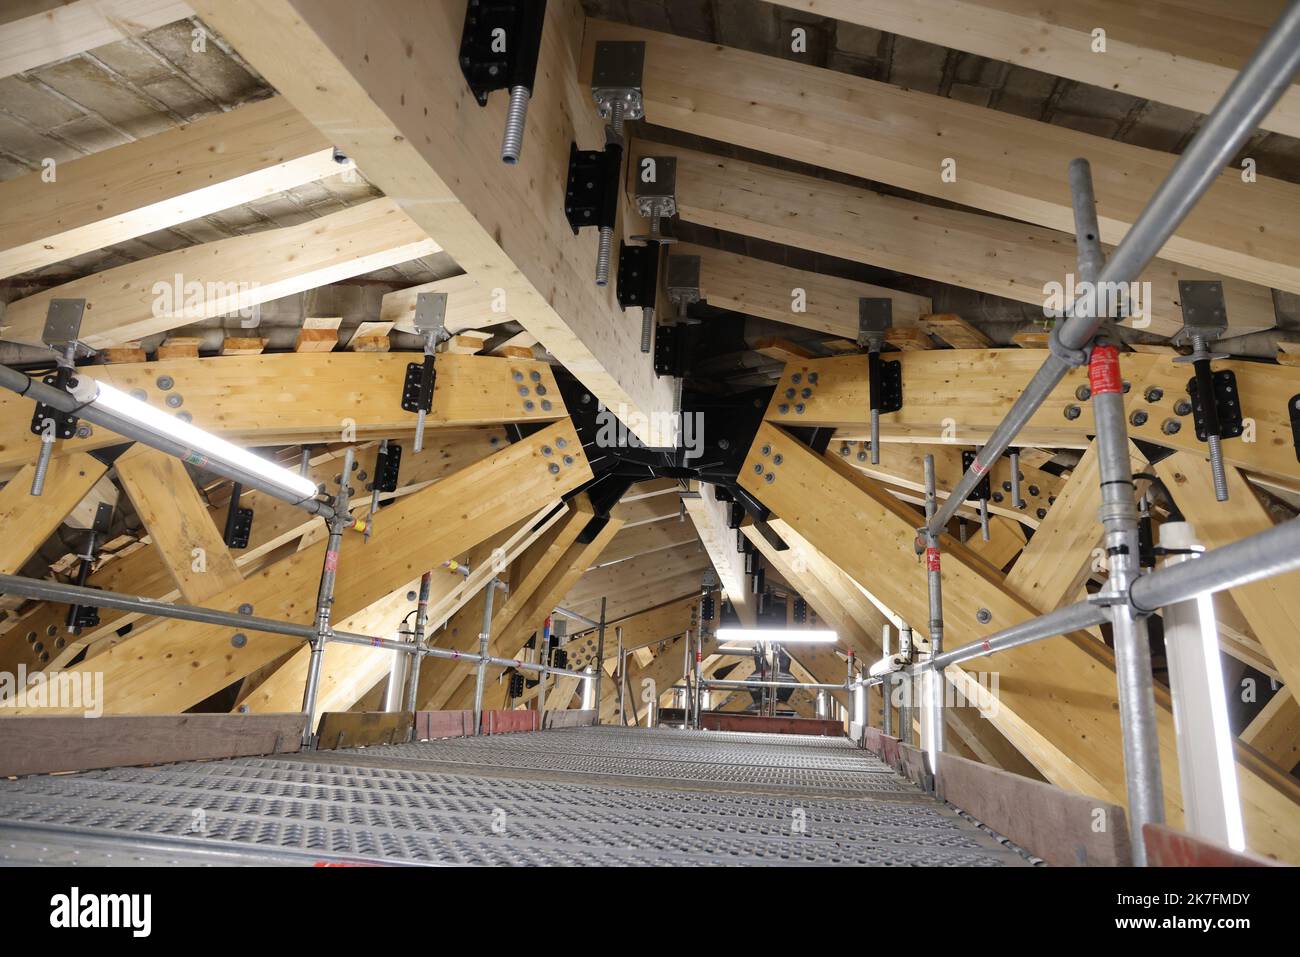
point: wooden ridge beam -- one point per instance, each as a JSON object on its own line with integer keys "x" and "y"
{"x": 959, "y": 396}
{"x": 1056, "y": 698}
{"x": 768, "y": 290}
{"x": 356, "y": 73}
{"x": 173, "y": 668}
{"x": 1186, "y": 55}
{"x": 1002, "y": 163}
{"x": 292, "y": 398}
{"x": 180, "y": 524}
{"x": 28, "y": 520}
{"x": 160, "y": 181}
{"x": 985, "y": 253}
{"x": 143, "y": 571}
{"x": 710, "y": 519}
{"x": 174, "y": 289}
{"x": 38, "y": 32}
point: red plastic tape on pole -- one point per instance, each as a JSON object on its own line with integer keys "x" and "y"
{"x": 1103, "y": 370}
{"x": 932, "y": 559}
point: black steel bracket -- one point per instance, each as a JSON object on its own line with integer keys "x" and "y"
{"x": 591, "y": 197}
{"x": 239, "y": 521}
{"x": 638, "y": 275}
{"x": 417, "y": 389}
{"x": 1227, "y": 403}
{"x": 500, "y": 43}
{"x": 670, "y": 357}
{"x": 891, "y": 386}
{"x": 63, "y": 423}
{"x": 1293, "y": 411}
{"x": 387, "y": 465}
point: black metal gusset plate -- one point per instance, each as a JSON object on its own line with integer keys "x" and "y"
{"x": 591, "y": 197}
{"x": 498, "y": 48}
{"x": 387, "y": 465}
{"x": 1226, "y": 398}
{"x": 411, "y": 387}
{"x": 239, "y": 527}
{"x": 891, "y": 382}
{"x": 1293, "y": 410}
{"x": 983, "y": 488}
{"x": 638, "y": 275}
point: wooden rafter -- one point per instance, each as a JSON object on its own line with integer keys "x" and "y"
{"x": 160, "y": 181}
{"x": 1001, "y": 163}
{"x": 985, "y": 253}
{"x": 357, "y": 74}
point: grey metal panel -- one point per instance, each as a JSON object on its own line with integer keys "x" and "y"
{"x": 449, "y": 802}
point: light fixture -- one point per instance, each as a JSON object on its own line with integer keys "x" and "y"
{"x": 784, "y": 636}
{"x": 194, "y": 445}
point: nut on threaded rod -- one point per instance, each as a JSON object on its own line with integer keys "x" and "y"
{"x": 512, "y": 143}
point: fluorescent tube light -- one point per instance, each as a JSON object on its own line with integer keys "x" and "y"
{"x": 779, "y": 635}
{"x": 203, "y": 449}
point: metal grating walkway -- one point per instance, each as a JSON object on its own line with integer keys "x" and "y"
{"x": 602, "y": 796}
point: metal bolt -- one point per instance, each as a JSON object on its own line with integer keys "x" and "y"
{"x": 174, "y": 401}
{"x": 984, "y": 616}
{"x": 1033, "y": 490}
{"x": 758, "y": 468}
{"x": 812, "y": 377}
{"x": 139, "y": 394}
{"x": 769, "y": 477}
{"x": 165, "y": 382}
{"x": 778, "y": 459}
{"x": 517, "y": 375}
{"x": 1083, "y": 393}
{"x": 844, "y": 449}
{"x": 789, "y": 393}
{"x": 1006, "y": 486}
{"x": 724, "y": 444}
{"x": 1170, "y": 426}
{"x": 546, "y": 405}
{"x": 1072, "y": 412}
{"x": 1182, "y": 407}
{"x": 84, "y": 431}
{"x": 568, "y": 460}
{"x": 546, "y": 450}
{"x": 997, "y": 496}
{"x": 528, "y": 405}
{"x": 796, "y": 378}
{"x": 239, "y": 639}
{"x": 1041, "y": 513}
{"x": 184, "y": 416}
{"x": 553, "y": 469}
{"x": 1138, "y": 418}
{"x": 766, "y": 450}
{"x": 245, "y": 609}
{"x": 806, "y": 393}
{"x": 799, "y": 409}
{"x": 1154, "y": 394}
{"x": 523, "y": 390}
{"x": 783, "y": 409}
{"x": 535, "y": 376}
{"x": 862, "y": 456}
{"x": 561, "y": 442}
